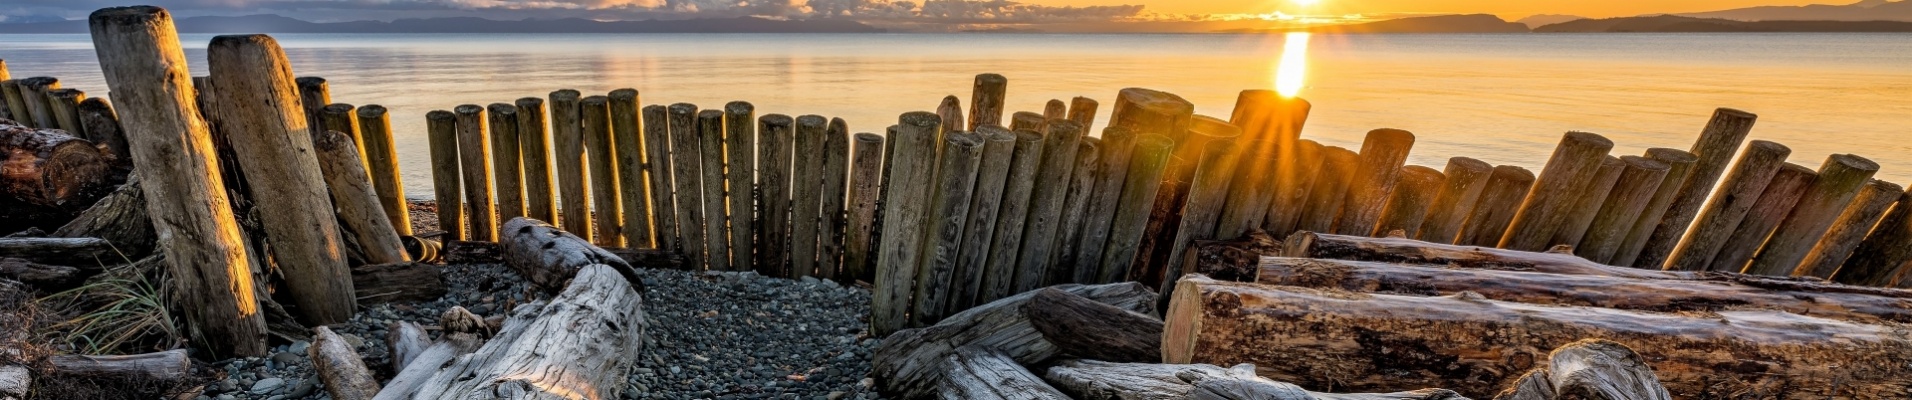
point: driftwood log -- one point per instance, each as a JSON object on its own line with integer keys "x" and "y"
{"x": 340, "y": 368}
{"x": 980, "y": 373}
{"x": 121, "y": 219}
{"x": 416, "y": 370}
{"x": 90, "y": 254}
{"x": 909, "y": 363}
{"x": 1589, "y": 369}
{"x": 15, "y": 381}
{"x": 548, "y": 353}
{"x": 1233, "y": 260}
{"x": 49, "y": 168}
{"x": 1330, "y": 338}
{"x": 166, "y": 366}
{"x": 1088, "y": 329}
{"x": 1102, "y": 380}
{"x": 405, "y": 340}
{"x": 548, "y": 256}
{"x": 385, "y": 283}
{"x": 40, "y": 276}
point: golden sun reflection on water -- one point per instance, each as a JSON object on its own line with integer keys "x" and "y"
{"x": 1293, "y": 70}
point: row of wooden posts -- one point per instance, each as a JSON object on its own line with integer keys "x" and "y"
{"x": 40, "y": 102}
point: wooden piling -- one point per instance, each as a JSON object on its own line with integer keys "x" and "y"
{"x": 567, "y": 157}
{"x": 986, "y": 101}
{"x": 806, "y": 200}
{"x": 687, "y": 174}
{"x": 1208, "y": 190}
{"x": 601, "y": 160}
{"x": 1592, "y": 195}
{"x": 64, "y": 104}
{"x": 1885, "y": 257}
{"x": 1064, "y": 266}
{"x": 949, "y": 212}
{"x": 340, "y": 117}
{"x": 836, "y": 164}
{"x": 1639, "y": 181}
{"x": 1055, "y": 109}
{"x": 657, "y": 163}
{"x": 474, "y": 159}
{"x": 627, "y": 143}
{"x": 1499, "y": 200}
{"x": 507, "y": 168}
{"x": 1713, "y": 151}
{"x": 16, "y": 104}
{"x": 1061, "y": 140}
{"x": 1383, "y": 154}
{"x": 314, "y": 94}
{"x": 34, "y": 90}
{"x": 773, "y": 256}
{"x": 1680, "y": 165}
{"x": 352, "y": 195}
{"x": 866, "y": 171}
{"x": 1775, "y": 201}
{"x": 212, "y": 285}
{"x": 1147, "y": 163}
{"x": 103, "y": 124}
{"x": 534, "y": 150}
{"x": 1012, "y": 217}
{"x": 381, "y": 160}
{"x": 273, "y": 144}
{"x": 441, "y": 129}
{"x": 1026, "y": 121}
{"x": 1840, "y": 179}
{"x": 951, "y": 111}
{"x": 1548, "y": 206}
{"x": 1851, "y": 228}
{"x": 1158, "y": 241}
{"x": 1466, "y": 177}
{"x": 740, "y": 150}
{"x": 1117, "y": 144}
{"x": 1329, "y": 194}
{"x": 902, "y": 242}
{"x": 6, "y": 110}
{"x": 1413, "y": 197}
{"x": 992, "y": 177}
{"x": 1082, "y": 111}
{"x": 710, "y": 144}
{"x": 1296, "y": 178}
{"x": 1736, "y": 194}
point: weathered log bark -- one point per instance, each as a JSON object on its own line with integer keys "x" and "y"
{"x": 1744, "y": 241}
{"x": 1026, "y": 121}
{"x": 830, "y": 235}
{"x": 627, "y": 137}
{"x": 806, "y": 194}
{"x": 120, "y": 218}
{"x": 1298, "y": 174}
{"x": 1061, "y": 140}
{"x": 103, "y": 125}
{"x": 949, "y": 212}
{"x": 1639, "y": 180}
{"x": 1319, "y": 338}
{"x": 1852, "y": 227}
{"x": 951, "y": 111}
{"x": 50, "y": 168}
{"x": 909, "y": 364}
{"x": 999, "y": 268}
{"x": 1234, "y": 260}
{"x": 1328, "y": 195}
{"x": 1087, "y": 329}
{"x": 1273, "y": 122}
{"x": 15, "y": 381}
{"x": 355, "y": 200}
{"x": 1412, "y": 199}
{"x": 548, "y": 256}
{"x": 981, "y": 373}
{"x": 425, "y": 364}
{"x": 1679, "y": 166}
{"x": 91, "y": 254}
{"x": 985, "y": 204}
{"x": 314, "y": 94}
{"x": 1148, "y": 160}
{"x": 687, "y": 175}
{"x": 1102, "y": 380}
{"x": 866, "y": 171}
{"x": 1117, "y": 147}
{"x": 441, "y": 128}
{"x": 1055, "y": 109}
{"x": 1506, "y": 186}
{"x": 1201, "y": 210}
{"x": 1064, "y": 265}
{"x": 48, "y": 278}
{"x": 405, "y": 340}
{"x": 166, "y": 366}
{"x": 381, "y": 161}
{"x": 474, "y": 162}
{"x": 567, "y": 139}
{"x": 580, "y": 345}
{"x": 507, "y": 168}
{"x": 1165, "y": 217}
{"x": 404, "y": 281}
{"x": 1885, "y": 257}
{"x": 339, "y": 367}
{"x": 710, "y": 138}
{"x": 1600, "y": 369}
{"x": 1593, "y": 194}
{"x": 905, "y": 205}
{"x": 776, "y": 149}
{"x": 534, "y": 144}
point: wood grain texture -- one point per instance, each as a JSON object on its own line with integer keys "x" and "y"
{"x": 710, "y": 147}
{"x": 1061, "y": 140}
{"x": 777, "y": 151}
{"x": 507, "y": 167}
{"x": 1840, "y": 179}
{"x": 474, "y": 160}
{"x": 999, "y": 269}
{"x": 948, "y": 214}
{"x": 447, "y": 182}
{"x": 1550, "y": 204}
{"x": 534, "y": 148}
{"x": 634, "y": 202}
{"x": 906, "y": 202}
{"x": 1737, "y": 194}
{"x": 909, "y": 364}
{"x": 1680, "y": 166}
{"x": 567, "y": 160}
{"x": 1383, "y": 153}
{"x": 866, "y": 173}
{"x": 355, "y": 200}
{"x": 381, "y": 157}
{"x": 1852, "y": 227}
{"x": 1774, "y": 202}
{"x": 1639, "y": 181}
{"x": 981, "y": 373}
{"x": 607, "y": 214}
{"x": 740, "y": 176}
{"x": 1713, "y": 151}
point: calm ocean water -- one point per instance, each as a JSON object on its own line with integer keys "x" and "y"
{"x": 1504, "y": 99}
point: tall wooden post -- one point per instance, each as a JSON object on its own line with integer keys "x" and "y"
{"x": 1012, "y": 216}
{"x": 1466, "y": 177}
{"x": 381, "y": 157}
{"x": 1840, "y": 179}
{"x": 1779, "y": 197}
{"x": 778, "y": 152}
{"x": 1112, "y": 170}
{"x": 1486, "y": 223}
{"x": 34, "y": 90}
{"x": 740, "y": 144}
{"x": 992, "y": 176}
{"x": 906, "y": 203}
{"x": 949, "y": 212}
{"x": 836, "y": 164}
{"x": 1063, "y": 268}
{"x": 314, "y": 94}
{"x": 145, "y": 68}
{"x": 657, "y": 160}
{"x": 1383, "y": 154}
{"x": 507, "y": 169}
{"x": 1273, "y": 123}
{"x": 1593, "y": 194}
{"x": 986, "y": 101}
{"x": 474, "y": 159}
{"x": 1147, "y": 163}
{"x": 866, "y": 171}
{"x": 806, "y": 195}
{"x": 710, "y": 147}
{"x": 1714, "y": 151}
{"x": 1207, "y": 192}
{"x": 441, "y": 128}
{"x": 1852, "y": 227}
{"x": 534, "y": 150}
{"x": 951, "y": 111}
{"x": 1413, "y": 197}
{"x": 1547, "y": 207}
{"x": 1886, "y": 255}
{"x": 1296, "y": 178}
{"x": 353, "y": 197}
{"x": 1737, "y": 194}
{"x": 629, "y": 144}
{"x": 567, "y": 157}
{"x": 16, "y": 103}
{"x": 1082, "y": 111}
{"x": 601, "y": 160}
{"x": 1329, "y": 194}
{"x": 1624, "y": 205}
{"x": 687, "y": 173}
{"x": 64, "y": 104}
{"x": 1059, "y": 147}
{"x": 1680, "y": 165}
{"x": 1157, "y": 242}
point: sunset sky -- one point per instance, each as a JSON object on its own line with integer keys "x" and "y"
{"x": 1505, "y": 8}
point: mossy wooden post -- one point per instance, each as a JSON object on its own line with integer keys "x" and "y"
{"x": 906, "y": 202}
{"x": 601, "y": 161}
{"x": 1329, "y": 194}
{"x": 314, "y": 94}
{"x": 104, "y": 125}
{"x": 1413, "y": 196}
{"x": 1679, "y": 166}
{"x": 1147, "y": 163}
{"x": 64, "y": 104}
{"x": 1064, "y": 265}
{"x": 687, "y": 173}
{"x": 1736, "y": 194}
{"x": 1775, "y": 201}
{"x": 1012, "y": 217}
{"x": 381, "y": 157}
{"x": 992, "y": 177}
{"x": 806, "y": 195}
{"x": 340, "y": 117}
{"x": 986, "y": 101}
{"x": 1575, "y": 162}
{"x": 1593, "y": 194}
{"x": 211, "y": 283}
{"x": 657, "y": 161}
{"x": 1840, "y": 179}
{"x": 16, "y": 103}
{"x": 1082, "y": 111}
{"x": 1624, "y": 206}
{"x": 1207, "y": 192}
{"x": 507, "y": 168}
{"x": 866, "y": 172}
{"x": 474, "y": 160}
{"x": 352, "y": 195}
{"x": 836, "y": 164}
{"x": 1293, "y": 188}
{"x": 949, "y": 212}
{"x": 1060, "y": 143}
{"x": 740, "y": 149}
{"x": 274, "y": 145}
{"x": 1383, "y": 154}
{"x": 1055, "y": 109}
{"x": 1714, "y": 150}
{"x": 778, "y": 152}
{"x": 1111, "y": 171}
{"x": 710, "y": 145}
{"x": 1506, "y": 186}
{"x": 1466, "y": 177}
{"x": 34, "y": 90}
{"x": 567, "y": 158}
{"x": 534, "y": 150}
{"x": 1167, "y": 214}
{"x": 441, "y": 128}
{"x": 1026, "y": 121}
{"x": 951, "y": 111}
{"x": 1852, "y": 226}
{"x": 1886, "y": 255}
{"x": 628, "y": 141}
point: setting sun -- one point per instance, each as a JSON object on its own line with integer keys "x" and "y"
{"x": 1305, "y": 2}
{"x": 1293, "y": 70}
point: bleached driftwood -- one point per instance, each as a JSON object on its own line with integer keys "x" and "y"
{"x": 582, "y": 344}
{"x": 548, "y": 256}
{"x": 979, "y": 373}
{"x": 413, "y": 372}
{"x": 405, "y": 340}
{"x": 1087, "y": 329}
{"x": 1589, "y": 369}
{"x": 909, "y": 363}
{"x": 1102, "y": 380}
{"x": 340, "y": 367}
{"x": 165, "y": 366}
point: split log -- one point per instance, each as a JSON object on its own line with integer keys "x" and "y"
{"x": 1087, "y": 329}
{"x": 1713, "y": 152}
{"x": 167, "y": 366}
{"x": 64, "y": 104}
{"x": 87, "y": 253}
{"x": 39, "y": 107}
{"x": 909, "y": 363}
{"x": 548, "y": 256}
{"x": 1553, "y": 197}
{"x": 981, "y": 373}
{"x": 405, "y": 340}
{"x": 1319, "y": 338}
{"x": 340, "y": 367}
{"x": 396, "y": 282}
{"x": 16, "y": 104}
{"x": 355, "y": 200}
{"x": 50, "y": 168}
{"x": 121, "y": 219}
{"x": 424, "y": 364}
{"x": 547, "y": 353}
{"x": 1102, "y": 380}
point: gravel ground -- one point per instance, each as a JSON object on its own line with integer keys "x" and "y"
{"x": 711, "y": 335}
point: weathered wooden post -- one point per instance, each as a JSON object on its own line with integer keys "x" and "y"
{"x": 103, "y": 124}
{"x": 274, "y": 146}
{"x": 992, "y": 177}
{"x": 1383, "y": 154}
{"x": 1026, "y": 121}
{"x": 1547, "y": 207}
{"x": 1273, "y": 124}
{"x": 777, "y": 150}
{"x": 710, "y": 147}
{"x": 145, "y": 68}
{"x": 1775, "y": 201}
{"x": 339, "y": 117}
{"x": 6, "y": 110}
{"x": 949, "y": 212}
{"x": 1117, "y": 144}
{"x": 1713, "y": 151}
{"x": 64, "y": 104}
{"x": 629, "y": 165}
{"x": 906, "y": 202}
{"x": 1886, "y": 255}
{"x": 16, "y": 104}
{"x": 1413, "y": 197}
{"x": 381, "y": 156}
{"x": 1466, "y": 177}
{"x": 1063, "y": 267}
{"x": 1158, "y": 240}
{"x": 34, "y": 90}
{"x": 1593, "y": 194}
{"x": 1329, "y": 194}
{"x": 1296, "y": 178}
{"x": 441, "y": 128}
{"x": 534, "y": 149}
{"x": 740, "y": 144}
{"x": 507, "y": 168}
{"x": 687, "y": 173}
{"x": 1207, "y": 192}
{"x": 866, "y": 171}
{"x": 1082, "y": 111}
{"x": 806, "y": 195}
{"x": 1051, "y": 190}
{"x": 1680, "y": 165}
{"x": 657, "y": 160}
{"x": 1851, "y": 228}
{"x": 474, "y": 159}
{"x": 951, "y": 111}
{"x": 1055, "y": 109}
{"x": 601, "y": 161}
{"x": 986, "y": 101}
{"x": 1623, "y": 207}
{"x": 836, "y": 164}
{"x": 1736, "y": 194}
{"x": 567, "y": 156}
{"x": 1486, "y": 223}
{"x": 1147, "y": 163}
{"x": 314, "y": 94}
{"x": 1840, "y": 179}
{"x": 352, "y": 195}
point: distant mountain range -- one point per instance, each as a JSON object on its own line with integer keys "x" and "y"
{"x": 1471, "y": 23}
{"x": 1678, "y": 24}
{"x": 280, "y": 24}
{"x": 1868, "y": 10}
{"x": 1541, "y": 20}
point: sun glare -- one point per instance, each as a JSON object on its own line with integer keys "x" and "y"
{"x": 1305, "y": 2}
{"x": 1293, "y": 70}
